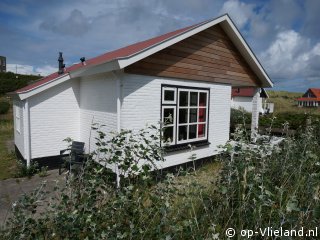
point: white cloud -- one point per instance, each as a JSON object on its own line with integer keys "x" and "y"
{"x": 240, "y": 12}
{"x": 20, "y": 69}
{"x": 292, "y": 56}
{"x": 30, "y": 70}
{"x": 45, "y": 70}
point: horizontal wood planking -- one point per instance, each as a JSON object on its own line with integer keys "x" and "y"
{"x": 193, "y": 71}
{"x": 169, "y": 74}
{"x": 196, "y": 60}
{"x": 167, "y": 64}
{"x": 209, "y": 55}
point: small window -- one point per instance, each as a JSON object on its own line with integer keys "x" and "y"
{"x": 18, "y": 118}
{"x": 169, "y": 126}
{"x": 169, "y": 95}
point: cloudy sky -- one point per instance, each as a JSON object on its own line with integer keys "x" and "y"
{"x": 284, "y": 34}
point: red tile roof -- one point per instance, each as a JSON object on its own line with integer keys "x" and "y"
{"x": 316, "y": 93}
{"x": 113, "y": 55}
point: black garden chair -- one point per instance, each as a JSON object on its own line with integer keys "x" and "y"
{"x": 73, "y": 158}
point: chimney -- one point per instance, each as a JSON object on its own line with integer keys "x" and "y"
{"x": 61, "y": 65}
{"x": 83, "y": 61}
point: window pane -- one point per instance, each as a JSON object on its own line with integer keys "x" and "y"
{"x": 183, "y": 115}
{"x": 183, "y": 133}
{"x": 168, "y": 134}
{"x": 183, "y": 98}
{"x": 193, "y": 99}
{"x": 201, "y": 130}
{"x": 202, "y": 114}
{"x": 203, "y": 99}
{"x": 168, "y": 95}
{"x": 192, "y": 131}
{"x": 193, "y": 115}
{"x": 168, "y": 116}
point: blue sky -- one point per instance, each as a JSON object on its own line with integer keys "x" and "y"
{"x": 284, "y": 34}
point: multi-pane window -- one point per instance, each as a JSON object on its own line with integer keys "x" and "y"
{"x": 184, "y": 114}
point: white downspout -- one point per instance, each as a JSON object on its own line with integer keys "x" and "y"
{"x": 255, "y": 115}
{"x": 118, "y": 89}
{"x": 27, "y": 132}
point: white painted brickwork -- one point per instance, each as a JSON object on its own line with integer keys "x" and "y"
{"x": 242, "y": 102}
{"x": 19, "y": 137}
{"x": 141, "y": 105}
{"x": 54, "y": 115}
{"x": 98, "y": 95}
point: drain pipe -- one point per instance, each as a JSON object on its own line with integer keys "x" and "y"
{"x": 27, "y": 132}
{"x": 118, "y": 89}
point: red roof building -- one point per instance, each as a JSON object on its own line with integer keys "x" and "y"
{"x": 311, "y": 98}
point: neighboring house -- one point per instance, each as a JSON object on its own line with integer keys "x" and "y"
{"x": 242, "y": 97}
{"x": 310, "y": 99}
{"x": 186, "y": 74}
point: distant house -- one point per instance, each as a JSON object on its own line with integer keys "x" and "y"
{"x": 242, "y": 97}
{"x": 3, "y": 64}
{"x": 185, "y": 76}
{"x": 310, "y": 99}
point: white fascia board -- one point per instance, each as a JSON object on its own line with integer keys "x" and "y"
{"x": 236, "y": 37}
{"x": 44, "y": 87}
{"x": 124, "y": 62}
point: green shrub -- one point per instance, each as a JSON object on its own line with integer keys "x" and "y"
{"x": 24, "y": 171}
{"x": 10, "y": 82}
{"x": 4, "y": 107}
{"x": 294, "y": 120}
{"x": 239, "y": 116}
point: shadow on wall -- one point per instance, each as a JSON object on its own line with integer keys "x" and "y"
{"x": 99, "y": 93}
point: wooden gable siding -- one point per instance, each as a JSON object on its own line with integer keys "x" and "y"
{"x": 208, "y": 56}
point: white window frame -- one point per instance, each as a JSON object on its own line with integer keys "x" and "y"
{"x": 170, "y": 125}
{"x": 175, "y": 95}
{"x": 175, "y": 105}
{"x": 18, "y": 118}
{"x": 188, "y": 120}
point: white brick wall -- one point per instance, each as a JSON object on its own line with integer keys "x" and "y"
{"x": 98, "y": 95}
{"x": 141, "y": 105}
{"x": 54, "y": 115}
{"x": 19, "y": 137}
{"x": 242, "y": 102}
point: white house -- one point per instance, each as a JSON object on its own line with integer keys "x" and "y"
{"x": 242, "y": 98}
{"x": 187, "y": 73}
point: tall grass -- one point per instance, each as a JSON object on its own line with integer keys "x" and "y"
{"x": 259, "y": 186}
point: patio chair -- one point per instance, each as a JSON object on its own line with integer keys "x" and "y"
{"x": 75, "y": 158}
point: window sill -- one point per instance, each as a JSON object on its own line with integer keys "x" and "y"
{"x": 184, "y": 146}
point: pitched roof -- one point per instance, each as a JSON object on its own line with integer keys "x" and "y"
{"x": 135, "y": 52}
{"x": 116, "y": 54}
{"x": 315, "y": 92}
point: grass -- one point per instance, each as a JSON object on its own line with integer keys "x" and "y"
{"x": 7, "y": 158}
{"x": 286, "y": 102}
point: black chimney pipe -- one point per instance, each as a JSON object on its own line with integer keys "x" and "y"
{"x": 61, "y": 65}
